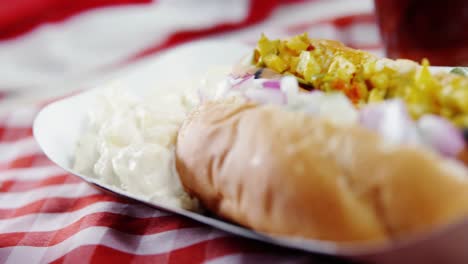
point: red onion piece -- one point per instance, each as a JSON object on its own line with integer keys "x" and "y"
{"x": 391, "y": 120}
{"x": 264, "y": 96}
{"x": 441, "y": 135}
{"x": 240, "y": 81}
{"x": 235, "y": 76}
{"x": 370, "y": 116}
{"x": 272, "y": 84}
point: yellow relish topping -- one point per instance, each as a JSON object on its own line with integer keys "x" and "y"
{"x": 330, "y": 66}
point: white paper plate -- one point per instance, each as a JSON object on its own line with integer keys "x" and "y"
{"x": 58, "y": 126}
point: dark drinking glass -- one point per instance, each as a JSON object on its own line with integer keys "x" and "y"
{"x": 417, "y": 29}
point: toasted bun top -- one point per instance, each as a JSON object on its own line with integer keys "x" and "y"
{"x": 289, "y": 173}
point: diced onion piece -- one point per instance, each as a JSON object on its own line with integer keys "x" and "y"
{"x": 308, "y": 102}
{"x": 265, "y": 96}
{"x": 391, "y": 120}
{"x": 289, "y": 85}
{"x": 242, "y": 81}
{"x": 441, "y": 135}
{"x": 371, "y": 116}
{"x": 337, "y": 108}
{"x": 271, "y": 84}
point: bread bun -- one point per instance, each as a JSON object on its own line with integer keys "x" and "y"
{"x": 291, "y": 174}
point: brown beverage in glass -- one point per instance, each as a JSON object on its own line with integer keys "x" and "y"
{"x": 417, "y": 29}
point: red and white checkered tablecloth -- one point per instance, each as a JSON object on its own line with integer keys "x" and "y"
{"x": 49, "y": 48}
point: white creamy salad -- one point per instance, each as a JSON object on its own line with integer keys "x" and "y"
{"x": 129, "y": 143}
